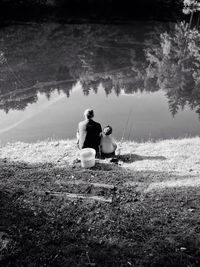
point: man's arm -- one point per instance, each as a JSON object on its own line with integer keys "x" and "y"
{"x": 100, "y": 133}
{"x": 100, "y": 130}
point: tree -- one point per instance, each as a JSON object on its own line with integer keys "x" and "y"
{"x": 190, "y": 7}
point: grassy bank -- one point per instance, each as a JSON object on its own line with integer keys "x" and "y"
{"x": 143, "y": 211}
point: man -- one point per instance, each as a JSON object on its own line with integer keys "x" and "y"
{"x": 88, "y": 133}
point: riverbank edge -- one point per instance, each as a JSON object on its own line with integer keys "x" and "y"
{"x": 171, "y": 155}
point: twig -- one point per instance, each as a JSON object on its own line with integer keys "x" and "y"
{"x": 89, "y": 261}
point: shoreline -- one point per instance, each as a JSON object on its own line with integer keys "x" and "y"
{"x": 171, "y": 155}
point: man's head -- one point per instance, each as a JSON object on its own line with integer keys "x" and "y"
{"x": 107, "y": 130}
{"x": 89, "y": 113}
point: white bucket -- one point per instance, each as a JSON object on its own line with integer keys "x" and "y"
{"x": 87, "y": 156}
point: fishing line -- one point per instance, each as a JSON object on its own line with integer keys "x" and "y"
{"x": 126, "y": 125}
{"x": 130, "y": 130}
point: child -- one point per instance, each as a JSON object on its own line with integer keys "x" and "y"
{"x": 108, "y": 144}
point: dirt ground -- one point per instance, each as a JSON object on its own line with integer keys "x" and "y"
{"x": 109, "y": 215}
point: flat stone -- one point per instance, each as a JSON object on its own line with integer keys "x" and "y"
{"x": 80, "y": 182}
{"x": 80, "y": 196}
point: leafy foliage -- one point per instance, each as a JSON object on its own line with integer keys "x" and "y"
{"x": 175, "y": 63}
{"x": 191, "y": 6}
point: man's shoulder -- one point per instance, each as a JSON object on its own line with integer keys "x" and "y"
{"x": 98, "y": 126}
{"x": 97, "y": 123}
{"x": 82, "y": 123}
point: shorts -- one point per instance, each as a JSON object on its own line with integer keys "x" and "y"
{"x": 107, "y": 155}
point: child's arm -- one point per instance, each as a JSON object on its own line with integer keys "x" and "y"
{"x": 77, "y": 136}
{"x": 114, "y": 144}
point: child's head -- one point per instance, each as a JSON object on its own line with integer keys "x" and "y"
{"x": 107, "y": 130}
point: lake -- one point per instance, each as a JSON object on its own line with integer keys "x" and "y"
{"x": 138, "y": 78}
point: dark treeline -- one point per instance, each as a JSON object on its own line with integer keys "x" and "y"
{"x": 92, "y": 10}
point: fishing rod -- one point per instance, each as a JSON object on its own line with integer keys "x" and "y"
{"x": 125, "y": 127}
{"x": 130, "y": 131}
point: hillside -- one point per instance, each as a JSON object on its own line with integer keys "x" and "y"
{"x": 143, "y": 211}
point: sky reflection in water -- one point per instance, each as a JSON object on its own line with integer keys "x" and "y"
{"x": 58, "y": 117}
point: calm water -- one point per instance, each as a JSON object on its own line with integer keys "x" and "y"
{"x": 50, "y": 73}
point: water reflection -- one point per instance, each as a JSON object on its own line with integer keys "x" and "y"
{"x": 58, "y": 117}
{"x": 174, "y": 66}
{"x": 121, "y": 59}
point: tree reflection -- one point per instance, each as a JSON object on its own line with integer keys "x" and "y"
{"x": 49, "y": 57}
{"x": 174, "y": 66}
{"x": 56, "y": 57}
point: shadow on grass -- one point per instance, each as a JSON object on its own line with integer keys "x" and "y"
{"x": 129, "y": 158}
{"x": 100, "y": 165}
{"x": 159, "y": 228}
{"x": 51, "y": 233}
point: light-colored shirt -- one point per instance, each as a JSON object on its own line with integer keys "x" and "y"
{"x": 108, "y": 144}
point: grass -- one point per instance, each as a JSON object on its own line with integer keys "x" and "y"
{"x": 152, "y": 220}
